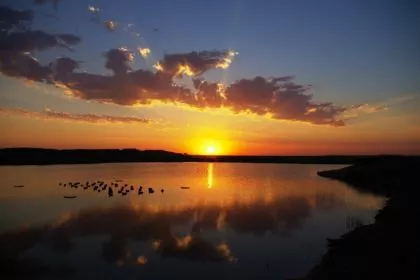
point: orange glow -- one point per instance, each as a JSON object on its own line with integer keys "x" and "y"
{"x": 210, "y": 176}
{"x": 142, "y": 260}
{"x": 227, "y": 61}
{"x": 184, "y": 69}
{"x": 158, "y": 66}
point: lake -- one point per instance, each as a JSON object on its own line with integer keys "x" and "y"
{"x": 230, "y": 221}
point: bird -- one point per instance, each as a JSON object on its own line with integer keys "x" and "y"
{"x": 162, "y": 190}
{"x": 110, "y": 192}
{"x": 132, "y": 187}
{"x": 151, "y": 190}
{"x": 140, "y": 190}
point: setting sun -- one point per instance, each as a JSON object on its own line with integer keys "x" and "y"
{"x": 210, "y": 150}
{"x": 209, "y": 146}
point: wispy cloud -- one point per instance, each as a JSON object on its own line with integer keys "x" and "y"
{"x": 365, "y": 108}
{"x": 49, "y": 114}
{"x": 400, "y": 99}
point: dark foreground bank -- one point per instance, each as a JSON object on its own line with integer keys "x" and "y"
{"x": 36, "y": 156}
{"x": 388, "y": 248}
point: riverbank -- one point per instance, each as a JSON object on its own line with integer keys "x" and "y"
{"x": 37, "y": 156}
{"x": 386, "y": 249}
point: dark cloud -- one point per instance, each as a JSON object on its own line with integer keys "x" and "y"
{"x": 87, "y": 118}
{"x": 64, "y": 66}
{"x": 137, "y": 87}
{"x": 193, "y": 63}
{"x": 10, "y": 18}
{"x": 29, "y": 41}
{"x": 208, "y": 94}
{"x": 18, "y": 42}
{"x": 118, "y": 60}
{"x": 282, "y": 99}
{"x": 42, "y": 2}
{"x": 279, "y": 98}
{"x": 22, "y": 65}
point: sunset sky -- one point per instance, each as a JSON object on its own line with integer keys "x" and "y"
{"x": 218, "y": 77}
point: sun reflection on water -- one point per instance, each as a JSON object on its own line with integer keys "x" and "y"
{"x": 210, "y": 175}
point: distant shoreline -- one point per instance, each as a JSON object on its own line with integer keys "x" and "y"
{"x": 39, "y": 156}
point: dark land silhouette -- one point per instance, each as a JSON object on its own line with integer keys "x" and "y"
{"x": 386, "y": 249}
{"x": 38, "y": 156}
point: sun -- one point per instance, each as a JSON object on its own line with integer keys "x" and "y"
{"x": 208, "y": 146}
{"x": 211, "y": 150}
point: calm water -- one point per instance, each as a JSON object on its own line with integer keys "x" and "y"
{"x": 236, "y": 220}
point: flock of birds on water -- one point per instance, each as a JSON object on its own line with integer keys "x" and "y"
{"x": 99, "y": 186}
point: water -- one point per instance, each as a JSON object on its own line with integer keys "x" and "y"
{"x": 239, "y": 221}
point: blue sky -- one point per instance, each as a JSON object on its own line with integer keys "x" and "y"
{"x": 351, "y": 51}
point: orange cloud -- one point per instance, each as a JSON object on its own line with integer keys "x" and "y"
{"x": 144, "y": 52}
{"x": 87, "y": 118}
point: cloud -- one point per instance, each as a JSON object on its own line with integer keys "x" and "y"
{"x": 20, "y": 20}
{"x": 22, "y": 65}
{"x": 42, "y": 2}
{"x": 144, "y": 52}
{"x": 64, "y": 66}
{"x": 29, "y": 41}
{"x": 194, "y": 63}
{"x": 93, "y": 9}
{"x": 18, "y": 42}
{"x": 367, "y": 108}
{"x": 279, "y": 98}
{"x": 86, "y": 118}
{"x": 110, "y": 25}
{"x": 118, "y": 60}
